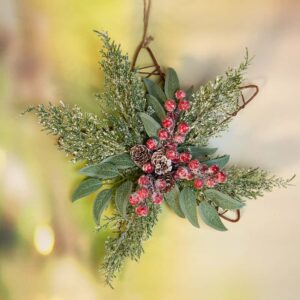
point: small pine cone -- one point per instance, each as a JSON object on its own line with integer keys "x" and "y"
{"x": 161, "y": 163}
{"x": 170, "y": 182}
{"x": 140, "y": 155}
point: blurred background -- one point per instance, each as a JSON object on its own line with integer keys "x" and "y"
{"x": 49, "y": 249}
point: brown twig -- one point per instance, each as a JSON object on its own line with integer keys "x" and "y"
{"x": 237, "y": 218}
{"x": 144, "y": 44}
{"x": 244, "y": 102}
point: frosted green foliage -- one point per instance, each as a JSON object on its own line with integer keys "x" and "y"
{"x": 128, "y": 243}
{"x": 124, "y": 94}
{"x": 82, "y": 135}
{"x": 250, "y": 183}
{"x": 212, "y": 104}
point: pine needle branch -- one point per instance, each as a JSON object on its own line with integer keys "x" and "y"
{"x": 124, "y": 94}
{"x": 82, "y": 135}
{"x": 128, "y": 243}
{"x": 213, "y": 104}
{"x": 251, "y": 183}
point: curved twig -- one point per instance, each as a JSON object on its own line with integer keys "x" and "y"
{"x": 244, "y": 102}
{"x": 237, "y": 218}
{"x": 144, "y": 44}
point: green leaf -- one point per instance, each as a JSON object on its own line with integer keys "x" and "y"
{"x": 101, "y": 203}
{"x": 159, "y": 110}
{"x": 201, "y": 151}
{"x": 103, "y": 170}
{"x": 150, "y": 125}
{"x": 210, "y": 216}
{"x": 171, "y": 83}
{"x": 222, "y": 200}
{"x": 121, "y": 161}
{"x": 220, "y": 161}
{"x": 172, "y": 199}
{"x": 188, "y": 205}
{"x": 189, "y": 93}
{"x": 155, "y": 90}
{"x": 122, "y": 196}
{"x": 86, "y": 187}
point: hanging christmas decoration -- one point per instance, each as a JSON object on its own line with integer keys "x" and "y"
{"x": 149, "y": 147}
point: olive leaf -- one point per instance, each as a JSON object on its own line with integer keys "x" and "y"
{"x": 151, "y": 126}
{"x": 210, "y": 216}
{"x": 101, "y": 203}
{"x": 171, "y": 83}
{"x": 172, "y": 199}
{"x": 155, "y": 90}
{"x": 220, "y": 161}
{"x": 188, "y": 205}
{"x": 158, "y": 108}
{"x": 189, "y": 92}
{"x": 201, "y": 151}
{"x": 222, "y": 200}
{"x": 122, "y": 196}
{"x": 86, "y": 187}
{"x": 120, "y": 161}
{"x": 103, "y": 170}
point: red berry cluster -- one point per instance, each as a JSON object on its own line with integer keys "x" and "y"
{"x": 149, "y": 187}
{"x": 153, "y": 185}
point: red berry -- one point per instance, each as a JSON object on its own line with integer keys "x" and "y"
{"x": 157, "y": 198}
{"x": 185, "y": 156}
{"x": 148, "y": 168}
{"x": 170, "y": 105}
{"x": 198, "y": 183}
{"x": 190, "y": 176}
{"x": 144, "y": 180}
{"x": 171, "y": 146}
{"x": 213, "y": 169}
{"x": 194, "y": 165}
{"x": 178, "y": 138}
{"x": 181, "y": 172}
{"x": 163, "y": 134}
{"x": 203, "y": 169}
{"x": 134, "y": 199}
{"x": 176, "y": 159}
{"x": 210, "y": 183}
{"x": 151, "y": 144}
{"x": 160, "y": 184}
{"x": 172, "y": 154}
{"x": 143, "y": 193}
{"x": 167, "y": 122}
{"x": 184, "y": 105}
{"x": 221, "y": 177}
{"x": 142, "y": 211}
{"x": 180, "y": 94}
{"x": 183, "y": 128}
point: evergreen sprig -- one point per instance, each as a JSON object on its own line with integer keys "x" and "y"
{"x": 212, "y": 104}
{"x": 250, "y": 183}
{"x": 128, "y": 243}
{"x": 83, "y": 136}
{"x": 124, "y": 93}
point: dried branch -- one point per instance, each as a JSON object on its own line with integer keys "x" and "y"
{"x": 144, "y": 44}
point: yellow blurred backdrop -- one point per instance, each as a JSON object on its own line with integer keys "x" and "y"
{"x": 49, "y": 249}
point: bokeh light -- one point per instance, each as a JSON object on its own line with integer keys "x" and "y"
{"x": 44, "y": 239}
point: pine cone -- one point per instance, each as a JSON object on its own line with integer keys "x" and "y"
{"x": 161, "y": 163}
{"x": 140, "y": 155}
{"x": 170, "y": 182}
